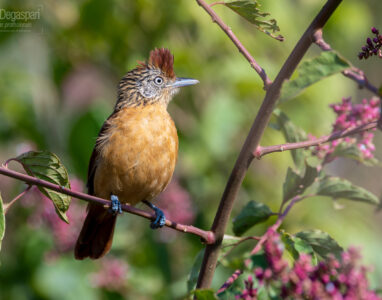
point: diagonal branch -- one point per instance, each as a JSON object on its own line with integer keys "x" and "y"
{"x": 215, "y": 18}
{"x": 261, "y": 151}
{"x": 246, "y": 154}
{"x": 207, "y": 236}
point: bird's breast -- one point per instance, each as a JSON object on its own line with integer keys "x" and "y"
{"x": 137, "y": 154}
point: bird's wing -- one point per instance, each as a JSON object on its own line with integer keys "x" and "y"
{"x": 94, "y": 157}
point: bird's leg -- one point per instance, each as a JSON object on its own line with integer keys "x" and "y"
{"x": 115, "y": 206}
{"x": 160, "y": 218}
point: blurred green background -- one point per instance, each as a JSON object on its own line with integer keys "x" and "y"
{"x": 58, "y": 84}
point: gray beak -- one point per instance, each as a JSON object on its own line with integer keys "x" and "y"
{"x": 180, "y": 81}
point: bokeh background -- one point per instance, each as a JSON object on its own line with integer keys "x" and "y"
{"x": 58, "y": 84}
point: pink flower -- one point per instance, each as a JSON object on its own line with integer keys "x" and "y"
{"x": 350, "y": 115}
{"x": 112, "y": 274}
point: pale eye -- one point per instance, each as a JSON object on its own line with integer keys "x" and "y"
{"x": 158, "y": 80}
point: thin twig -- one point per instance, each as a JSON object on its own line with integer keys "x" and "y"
{"x": 353, "y": 73}
{"x": 215, "y": 18}
{"x": 261, "y": 151}
{"x": 230, "y": 281}
{"x": 257, "y": 130}
{"x": 278, "y": 223}
{"x": 207, "y": 236}
{"x": 13, "y": 201}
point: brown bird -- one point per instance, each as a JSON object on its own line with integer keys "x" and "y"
{"x": 135, "y": 152}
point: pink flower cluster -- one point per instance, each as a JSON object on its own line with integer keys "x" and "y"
{"x": 350, "y": 115}
{"x": 331, "y": 279}
{"x": 112, "y": 275}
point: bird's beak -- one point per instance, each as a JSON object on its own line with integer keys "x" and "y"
{"x": 180, "y": 81}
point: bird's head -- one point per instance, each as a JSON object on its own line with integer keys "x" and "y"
{"x": 151, "y": 82}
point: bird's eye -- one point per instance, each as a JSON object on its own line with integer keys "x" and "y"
{"x": 158, "y": 80}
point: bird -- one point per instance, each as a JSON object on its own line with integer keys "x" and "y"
{"x": 135, "y": 153}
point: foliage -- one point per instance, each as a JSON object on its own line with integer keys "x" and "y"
{"x": 58, "y": 86}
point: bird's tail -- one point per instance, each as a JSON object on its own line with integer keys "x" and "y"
{"x": 97, "y": 233}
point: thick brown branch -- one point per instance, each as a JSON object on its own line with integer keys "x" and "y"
{"x": 215, "y": 18}
{"x": 207, "y": 236}
{"x": 261, "y": 151}
{"x": 246, "y": 154}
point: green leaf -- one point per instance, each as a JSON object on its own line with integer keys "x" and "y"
{"x": 321, "y": 242}
{"x": 2, "y": 221}
{"x": 312, "y": 71}
{"x": 296, "y": 246}
{"x": 194, "y": 273}
{"x": 253, "y": 213}
{"x": 295, "y": 184}
{"x": 341, "y": 188}
{"x": 352, "y": 151}
{"x": 47, "y": 166}
{"x": 292, "y": 134}
{"x": 207, "y": 294}
{"x": 250, "y": 10}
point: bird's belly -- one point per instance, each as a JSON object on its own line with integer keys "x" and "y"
{"x": 137, "y": 163}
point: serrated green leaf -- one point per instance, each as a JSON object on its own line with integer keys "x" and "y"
{"x": 250, "y": 10}
{"x": 321, "y": 242}
{"x": 295, "y": 184}
{"x": 207, "y": 294}
{"x": 194, "y": 273}
{"x": 2, "y": 221}
{"x": 292, "y": 134}
{"x": 47, "y": 166}
{"x": 341, "y": 188}
{"x": 253, "y": 213}
{"x": 312, "y": 71}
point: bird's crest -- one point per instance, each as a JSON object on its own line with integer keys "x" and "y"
{"x": 162, "y": 59}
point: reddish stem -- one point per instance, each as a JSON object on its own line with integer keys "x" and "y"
{"x": 215, "y": 18}
{"x": 13, "y": 201}
{"x": 207, "y": 236}
{"x": 261, "y": 151}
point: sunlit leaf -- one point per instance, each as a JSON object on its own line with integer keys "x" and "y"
{"x": 253, "y": 213}
{"x": 47, "y": 166}
{"x": 292, "y": 134}
{"x": 297, "y": 246}
{"x": 2, "y": 221}
{"x": 341, "y": 188}
{"x": 321, "y": 242}
{"x": 312, "y": 71}
{"x": 250, "y": 10}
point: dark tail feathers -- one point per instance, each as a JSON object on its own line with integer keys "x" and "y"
{"x": 96, "y": 235}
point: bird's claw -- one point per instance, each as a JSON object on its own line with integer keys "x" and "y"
{"x": 115, "y": 206}
{"x": 160, "y": 218}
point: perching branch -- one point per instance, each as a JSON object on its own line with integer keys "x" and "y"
{"x": 252, "y": 141}
{"x": 207, "y": 236}
{"x": 215, "y": 18}
{"x": 261, "y": 151}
